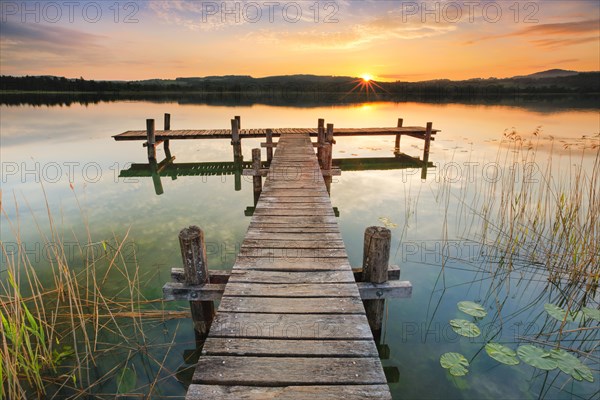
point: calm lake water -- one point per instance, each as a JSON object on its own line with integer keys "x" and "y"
{"x": 65, "y": 155}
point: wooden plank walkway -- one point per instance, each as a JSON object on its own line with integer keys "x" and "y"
{"x": 414, "y": 131}
{"x": 291, "y": 323}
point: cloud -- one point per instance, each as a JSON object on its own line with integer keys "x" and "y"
{"x": 555, "y": 34}
{"x": 40, "y": 45}
{"x": 48, "y": 35}
{"x": 374, "y": 29}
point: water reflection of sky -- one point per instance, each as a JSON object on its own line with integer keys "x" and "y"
{"x": 46, "y": 145}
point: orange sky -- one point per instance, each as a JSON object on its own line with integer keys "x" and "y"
{"x": 391, "y": 40}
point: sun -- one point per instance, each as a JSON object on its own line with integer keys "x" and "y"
{"x": 365, "y": 83}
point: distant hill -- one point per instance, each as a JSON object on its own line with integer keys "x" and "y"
{"x": 554, "y": 81}
{"x": 551, "y": 73}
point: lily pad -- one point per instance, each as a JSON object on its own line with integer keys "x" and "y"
{"x": 570, "y": 365}
{"x": 557, "y": 312}
{"x": 455, "y": 363}
{"x": 536, "y": 357}
{"x": 465, "y": 328}
{"x": 502, "y": 354}
{"x": 472, "y": 308}
{"x": 127, "y": 381}
{"x": 591, "y": 313}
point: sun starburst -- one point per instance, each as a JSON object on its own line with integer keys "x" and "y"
{"x": 365, "y": 83}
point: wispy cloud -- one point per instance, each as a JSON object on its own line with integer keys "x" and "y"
{"x": 50, "y": 36}
{"x": 553, "y": 35}
{"x": 342, "y": 37}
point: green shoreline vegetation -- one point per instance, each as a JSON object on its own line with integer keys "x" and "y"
{"x": 547, "y": 82}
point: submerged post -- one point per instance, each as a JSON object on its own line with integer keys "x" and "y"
{"x": 257, "y": 178}
{"x": 151, "y": 139}
{"x": 376, "y": 255}
{"x": 236, "y": 142}
{"x": 269, "y": 145}
{"x": 397, "y": 144}
{"x": 193, "y": 254}
{"x": 426, "y": 150}
{"x": 166, "y": 142}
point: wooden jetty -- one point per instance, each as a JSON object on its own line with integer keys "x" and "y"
{"x": 155, "y": 137}
{"x": 295, "y": 320}
{"x": 291, "y": 323}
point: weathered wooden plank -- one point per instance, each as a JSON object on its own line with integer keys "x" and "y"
{"x": 293, "y": 305}
{"x": 298, "y": 277}
{"x": 292, "y": 263}
{"x": 291, "y": 326}
{"x": 264, "y": 243}
{"x": 296, "y": 220}
{"x": 306, "y": 199}
{"x": 321, "y": 289}
{"x": 321, "y": 392}
{"x": 293, "y": 236}
{"x": 292, "y": 254}
{"x": 315, "y": 228}
{"x": 289, "y": 348}
{"x": 293, "y": 212}
{"x": 413, "y": 131}
{"x": 280, "y": 192}
{"x": 222, "y": 370}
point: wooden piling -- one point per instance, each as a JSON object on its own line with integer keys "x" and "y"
{"x": 320, "y": 140}
{"x": 193, "y": 254}
{"x": 239, "y": 121}
{"x": 167, "y": 125}
{"x": 428, "y": 131}
{"x": 256, "y": 179}
{"x": 151, "y": 139}
{"x": 269, "y": 134}
{"x": 397, "y": 144}
{"x": 327, "y": 157}
{"x": 236, "y": 142}
{"x": 376, "y": 254}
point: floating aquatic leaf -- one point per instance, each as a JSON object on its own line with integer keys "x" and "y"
{"x": 502, "y": 354}
{"x": 557, "y": 312}
{"x": 465, "y": 328}
{"x": 536, "y": 357}
{"x": 455, "y": 363}
{"x": 570, "y": 365}
{"x": 473, "y": 309}
{"x": 127, "y": 380}
{"x": 591, "y": 313}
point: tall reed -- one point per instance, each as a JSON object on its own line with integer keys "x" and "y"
{"x": 61, "y": 320}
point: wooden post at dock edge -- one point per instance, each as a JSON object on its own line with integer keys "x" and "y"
{"x": 376, "y": 255}
{"x": 166, "y": 142}
{"x": 269, "y": 145}
{"x": 397, "y": 144}
{"x": 151, "y": 139}
{"x": 327, "y": 154}
{"x": 257, "y": 178}
{"x": 426, "y": 150}
{"x": 320, "y": 140}
{"x": 236, "y": 142}
{"x": 193, "y": 254}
